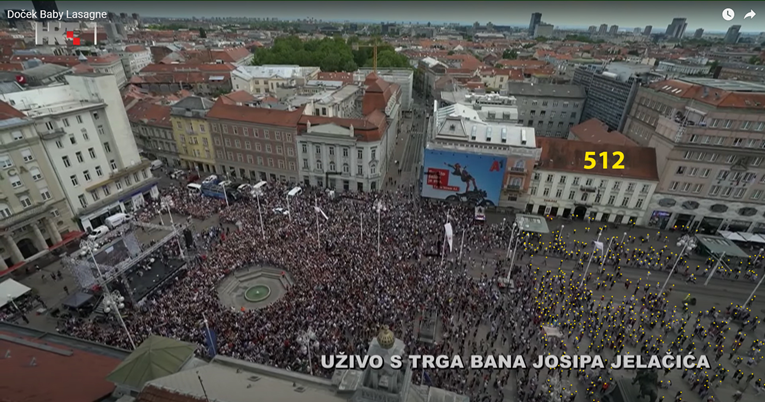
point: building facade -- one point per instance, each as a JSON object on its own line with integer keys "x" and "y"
{"x": 82, "y": 126}
{"x": 550, "y": 108}
{"x": 134, "y": 58}
{"x": 709, "y": 136}
{"x": 562, "y": 187}
{"x": 404, "y": 77}
{"x": 153, "y": 132}
{"x": 266, "y": 79}
{"x": 254, "y": 143}
{"x": 34, "y": 212}
{"x": 610, "y": 91}
{"x": 191, "y": 132}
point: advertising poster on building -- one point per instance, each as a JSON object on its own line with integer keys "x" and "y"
{"x": 465, "y": 177}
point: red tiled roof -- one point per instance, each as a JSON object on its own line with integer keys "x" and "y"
{"x": 134, "y": 48}
{"x": 237, "y": 97}
{"x": 54, "y": 377}
{"x": 377, "y": 94}
{"x": 66, "y": 61}
{"x": 336, "y": 76}
{"x": 521, "y": 63}
{"x": 370, "y": 128}
{"x": 151, "y": 393}
{"x": 8, "y": 112}
{"x": 596, "y": 132}
{"x": 82, "y": 68}
{"x": 270, "y": 117}
{"x": 563, "y": 155}
{"x": 105, "y": 59}
{"x": 207, "y": 68}
{"x": 713, "y": 96}
{"x": 11, "y": 67}
{"x": 147, "y": 112}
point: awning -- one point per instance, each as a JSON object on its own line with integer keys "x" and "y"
{"x": 718, "y": 245}
{"x": 75, "y": 300}
{"x": 752, "y": 238}
{"x": 731, "y": 235}
{"x": 532, "y": 223}
{"x": 11, "y": 290}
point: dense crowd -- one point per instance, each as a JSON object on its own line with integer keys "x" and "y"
{"x": 345, "y": 291}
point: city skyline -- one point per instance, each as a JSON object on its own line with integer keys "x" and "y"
{"x": 631, "y": 14}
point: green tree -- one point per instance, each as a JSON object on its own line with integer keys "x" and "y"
{"x": 329, "y": 54}
{"x": 449, "y": 53}
{"x": 541, "y": 39}
{"x": 510, "y": 54}
{"x": 202, "y": 33}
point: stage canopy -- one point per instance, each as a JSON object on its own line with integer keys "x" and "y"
{"x": 156, "y": 357}
{"x": 532, "y": 223}
{"x": 75, "y": 300}
{"x": 13, "y": 289}
{"x": 718, "y": 245}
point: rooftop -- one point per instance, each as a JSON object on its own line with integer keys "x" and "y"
{"x": 739, "y": 95}
{"x": 726, "y": 85}
{"x": 596, "y": 132}
{"x": 273, "y": 71}
{"x": 42, "y": 371}
{"x": 545, "y": 90}
{"x": 569, "y": 156}
{"x": 248, "y": 114}
{"x": 461, "y": 123}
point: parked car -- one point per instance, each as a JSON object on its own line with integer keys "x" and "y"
{"x": 98, "y": 232}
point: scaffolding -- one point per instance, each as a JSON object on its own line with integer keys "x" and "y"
{"x": 84, "y": 269}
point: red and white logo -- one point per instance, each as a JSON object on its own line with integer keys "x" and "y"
{"x": 70, "y": 36}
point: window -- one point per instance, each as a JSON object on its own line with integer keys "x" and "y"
{"x": 359, "y": 153}
{"x": 588, "y": 182}
{"x": 66, "y": 122}
{"x": 714, "y": 190}
{"x": 697, "y": 188}
{"x": 82, "y": 200}
{"x": 359, "y": 170}
{"x": 35, "y": 172}
{"x": 317, "y": 149}
{"x": 715, "y": 123}
{"x": 562, "y": 178}
{"x": 571, "y": 195}
{"x": 739, "y": 193}
{"x": 72, "y": 139}
{"x": 92, "y": 153}
{"x": 611, "y": 200}
{"x": 704, "y": 172}
{"x": 673, "y": 185}
{"x": 85, "y": 134}
{"x": 95, "y": 196}
{"x": 17, "y": 135}
{"x": 546, "y": 191}
{"x": 45, "y": 194}
{"x": 95, "y": 115}
{"x": 693, "y": 171}
{"x": 304, "y": 148}
{"x": 74, "y": 180}
{"x": 549, "y": 178}
{"x": 631, "y": 187}
{"x": 5, "y": 212}
{"x": 79, "y": 119}
{"x": 686, "y": 187}
{"x": 113, "y": 164}
{"x": 128, "y": 182}
{"x": 645, "y": 188}
{"x": 639, "y": 203}
{"x": 25, "y": 201}
{"x": 576, "y": 181}
{"x": 106, "y": 190}
{"x": 318, "y": 165}
{"x": 79, "y": 157}
{"x": 99, "y": 173}
{"x": 680, "y": 170}
{"x": 59, "y": 144}
{"x": 756, "y": 194}
{"x": 118, "y": 184}
{"x": 372, "y": 169}
{"x": 86, "y": 175}
{"x": 16, "y": 181}
{"x": 585, "y": 196}
{"x": 107, "y": 148}
{"x": 65, "y": 159}
{"x": 135, "y": 177}
{"x": 625, "y": 202}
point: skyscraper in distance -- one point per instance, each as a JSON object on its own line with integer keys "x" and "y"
{"x": 613, "y": 30}
{"x": 536, "y": 19}
{"x": 733, "y": 34}
{"x": 676, "y": 29}
{"x": 647, "y": 30}
{"x": 698, "y": 34}
{"x": 603, "y": 29}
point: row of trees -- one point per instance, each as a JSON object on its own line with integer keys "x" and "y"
{"x": 330, "y": 54}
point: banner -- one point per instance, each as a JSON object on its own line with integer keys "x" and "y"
{"x": 211, "y": 339}
{"x": 449, "y": 236}
{"x": 599, "y": 246}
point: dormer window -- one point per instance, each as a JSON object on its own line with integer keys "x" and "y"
{"x": 473, "y": 132}
{"x": 488, "y": 134}
{"x": 452, "y": 127}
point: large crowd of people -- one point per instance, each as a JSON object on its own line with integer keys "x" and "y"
{"x": 351, "y": 280}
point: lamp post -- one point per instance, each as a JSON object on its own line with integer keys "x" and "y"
{"x": 112, "y": 302}
{"x": 510, "y": 243}
{"x": 10, "y": 299}
{"x": 462, "y": 243}
{"x": 759, "y": 253}
{"x": 512, "y": 259}
{"x": 560, "y": 233}
{"x": 443, "y": 245}
{"x": 711, "y": 274}
{"x": 167, "y": 202}
{"x": 751, "y": 295}
{"x": 380, "y": 208}
{"x": 687, "y": 243}
{"x": 225, "y": 195}
{"x": 361, "y": 222}
{"x": 600, "y": 232}
{"x": 256, "y": 193}
{"x": 305, "y": 339}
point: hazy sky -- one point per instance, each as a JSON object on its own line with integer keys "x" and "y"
{"x": 629, "y": 14}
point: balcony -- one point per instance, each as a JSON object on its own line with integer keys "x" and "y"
{"x": 513, "y": 188}
{"x": 26, "y": 215}
{"x": 588, "y": 189}
{"x": 52, "y": 134}
{"x": 517, "y": 170}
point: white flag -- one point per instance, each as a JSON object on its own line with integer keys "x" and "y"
{"x": 599, "y": 246}
{"x": 449, "y": 235}
{"x": 318, "y": 210}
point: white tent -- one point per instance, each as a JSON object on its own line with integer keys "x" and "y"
{"x": 11, "y": 290}
{"x": 751, "y": 238}
{"x": 731, "y": 235}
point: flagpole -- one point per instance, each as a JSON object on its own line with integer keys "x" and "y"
{"x": 362, "y": 227}
{"x": 462, "y": 243}
{"x": 379, "y": 211}
{"x": 590, "y": 261}
{"x": 711, "y": 274}
{"x": 605, "y": 257}
{"x": 443, "y": 247}
{"x": 209, "y": 334}
{"x": 316, "y": 211}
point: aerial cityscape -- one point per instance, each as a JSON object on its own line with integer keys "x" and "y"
{"x": 382, "y": 201}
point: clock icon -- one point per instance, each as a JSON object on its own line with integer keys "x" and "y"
{"x": 728, "y": 14}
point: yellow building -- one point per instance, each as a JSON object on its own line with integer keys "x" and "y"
{"x": 192, "y": 134}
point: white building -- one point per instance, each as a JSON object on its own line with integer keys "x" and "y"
{"x": 265, "y": 79}
{"x": 404, "y": 77}
{"x": 109, "y": 64}
{"x": 561, "y": 186}
{"x": 134, "y": 58}
{"x": 683, "y": 67}
{"x": 86, "y": 136}
{"x": 343, "y": 103}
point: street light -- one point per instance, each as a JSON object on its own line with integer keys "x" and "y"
{"x": 256, "y": 192}
{"x": 600, "y": 232}
{"x": 380, "y": 208}
{"x": 112, "y": 302}
{"x": 688, "y": 243}
{"x": 10, "y": 299}
{"x": 305, "y": 339}
{"x": 560, "y": 232}
{"x": 225, "y": 196}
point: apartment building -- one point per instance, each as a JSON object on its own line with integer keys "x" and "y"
{"x": 460, "y": 128}
{"x": 153, "y": 131}
{"x": 561, "y": 186}
{"x": 83, "y": 128}
{"x": 343, "y": 154}
{"x": 34, "y": 212}
{"x": 489, "y": 107}
{"x": 550, "y": 108}
{"x": 610, "y": 91}
{"x": 134, "y": 58}
{"x": 266, "y": 79}
{"x": 255, "y": 143}
{"x": 404, "y": 77}
{"x": 191, "y": 132}
{"x": 709, "y": 137}
{"x": 742, "y": 72}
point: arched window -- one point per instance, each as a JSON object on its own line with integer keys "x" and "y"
{"x": 331, "y": 166}
{"x": 520, "y": 164}
{"x": 5, "y": 211}
{"x": 516, "y": 181}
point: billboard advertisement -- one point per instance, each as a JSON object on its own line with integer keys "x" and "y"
{"x": 461, "y": 176}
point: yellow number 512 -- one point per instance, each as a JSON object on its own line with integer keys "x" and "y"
{"x": 588, "y": 157}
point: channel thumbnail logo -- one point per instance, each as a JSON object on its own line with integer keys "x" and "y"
{"x": 70, "y": 36}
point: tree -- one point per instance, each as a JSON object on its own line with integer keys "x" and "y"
{"x": 541, "y": 39}
{"x": 330, "y": 54}
{"x": 510, "y": 54}
{"x": 449, "y": 53}
{"x": 755, "y": 60}
{"x": 202, "y": 33}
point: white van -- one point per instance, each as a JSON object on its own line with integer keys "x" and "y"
{"x": 98, "y": 233}
{"x": 156, "y": 164}
{"x": 116, "y": 220}
{"x": 194, "y": 188}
